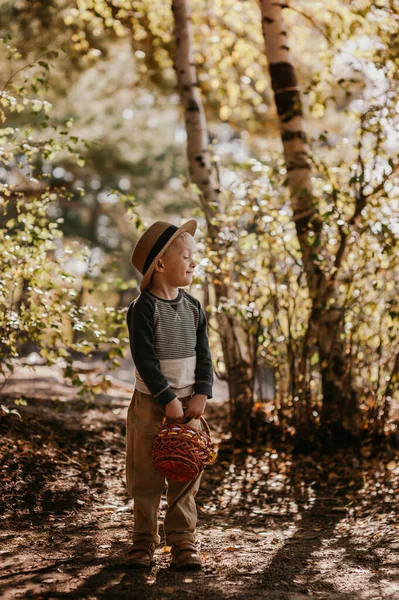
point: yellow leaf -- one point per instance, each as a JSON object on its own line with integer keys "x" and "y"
{"x": 260, "y": 85}
{"x": 225, "y": 112}
{"x": 317, "y": 110}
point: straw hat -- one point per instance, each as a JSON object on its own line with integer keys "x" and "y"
{"x": 153, "y": 243}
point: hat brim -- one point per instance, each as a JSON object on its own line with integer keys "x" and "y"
{"x": 190, "y": 227}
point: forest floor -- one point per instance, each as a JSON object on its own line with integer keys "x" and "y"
{"x": 272, "y": 524}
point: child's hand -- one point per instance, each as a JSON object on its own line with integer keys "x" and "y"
{"x": 196, "y": 406}
{"x": 174, "y": 410}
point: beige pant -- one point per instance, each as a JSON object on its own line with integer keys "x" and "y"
{"x": 146, "y": 485}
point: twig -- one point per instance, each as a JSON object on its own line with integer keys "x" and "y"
{"x": 381, "y": 185}
{"x": 40, "y": 570}
{"x": 284, "y": 5}
{"x": 24, "y": 67}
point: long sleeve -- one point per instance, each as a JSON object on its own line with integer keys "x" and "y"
{"x": 204, "y": 370}
{"x": 140, "y": 320}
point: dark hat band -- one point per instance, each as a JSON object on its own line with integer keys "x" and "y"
{"x": 157, "y": 247}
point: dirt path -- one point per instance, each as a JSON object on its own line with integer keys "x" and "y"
{"x": 271, "y": 525}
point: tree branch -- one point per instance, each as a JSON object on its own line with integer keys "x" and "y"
{"x": 310, "y": 19}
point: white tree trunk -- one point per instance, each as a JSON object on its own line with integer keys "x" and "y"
{"x": 238, "y": 372}
{"x": 286, "y": 91}
{"x": 293, "y": 136}
{"x": 340, "y": 409}
{"x": 197, "y": 134}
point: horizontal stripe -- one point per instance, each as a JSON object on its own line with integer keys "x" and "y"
{"x": 170, "y": 347}
{"x": 180, "y": 393}
{"x": 180, "y": 374}
{"x": 162, "y": 391}
{"x": 175, "y": 329}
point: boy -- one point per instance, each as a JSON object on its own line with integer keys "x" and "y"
{"x": 174, "y": 376}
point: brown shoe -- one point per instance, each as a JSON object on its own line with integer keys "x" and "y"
{"x": 185, "y": 557}
{"x": 140, "y": 556}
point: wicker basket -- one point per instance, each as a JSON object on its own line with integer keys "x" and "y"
{"x": 181, "y": 452}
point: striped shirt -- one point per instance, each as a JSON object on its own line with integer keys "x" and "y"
{"x": 169, "y": 345}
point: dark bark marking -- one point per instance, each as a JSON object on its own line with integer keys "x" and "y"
{"x": 200, "y": 160}
{"x": 288, "y": 105}
{"x": 268, "y": 20}
{"x": 283, "y": 75}
{"x": 288, "y": 136}
{"x": 285, "y": 47}
{"x": 304, "y": 165}
{"x": 302, "y": 224}
{"x": 288, "y": 102}
{"x": 192, "y": 106}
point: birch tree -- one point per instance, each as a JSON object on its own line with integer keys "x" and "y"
{"x": 340, "y": 414}
{"x": 238, "y": 373}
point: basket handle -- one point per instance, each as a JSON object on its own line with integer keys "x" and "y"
{"x": 202, "y": 419}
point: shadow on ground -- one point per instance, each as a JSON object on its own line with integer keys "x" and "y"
{"x": 271, "y": 523}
